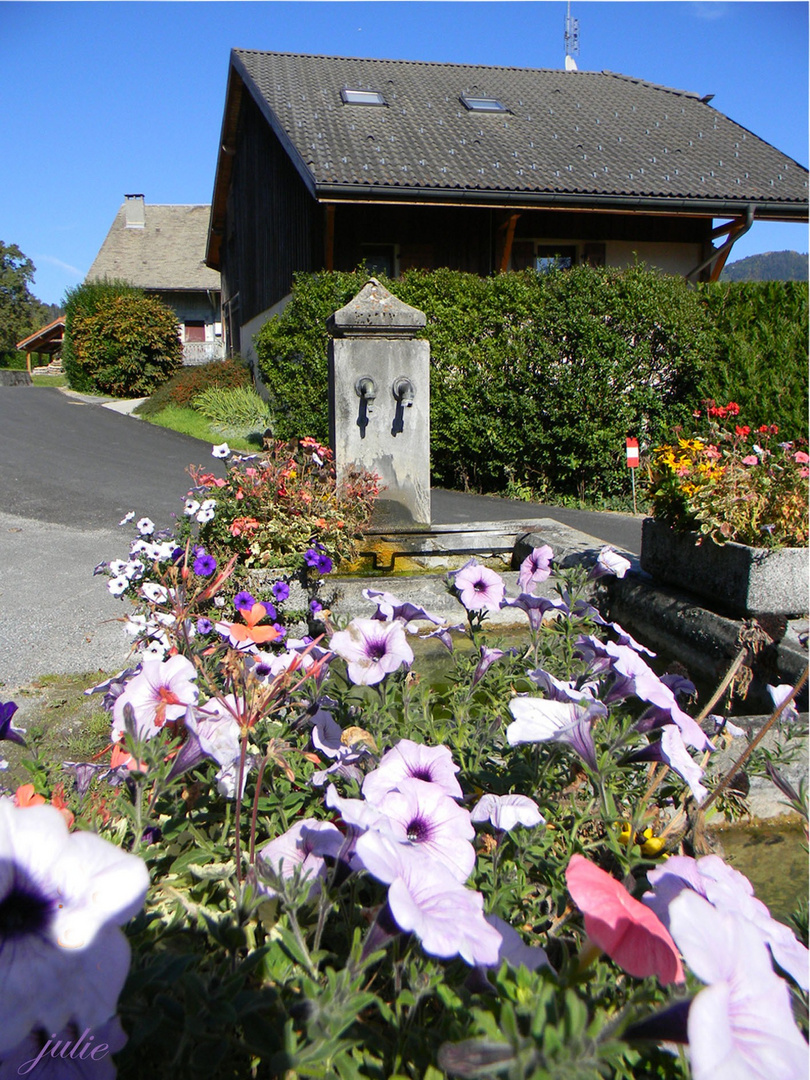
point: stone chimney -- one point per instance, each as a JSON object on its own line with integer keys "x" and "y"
{"x": 134, "y": 211}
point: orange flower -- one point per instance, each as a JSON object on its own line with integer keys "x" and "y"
{"x": 25, "y": 796}
{"x": 250, "y": 633}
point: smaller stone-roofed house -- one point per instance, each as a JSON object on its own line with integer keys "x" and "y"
{"x": 161, "y": 249}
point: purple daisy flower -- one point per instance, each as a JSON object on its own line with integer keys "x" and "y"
{"x": 372, "y": 649}
{"x": 478, "y": 587}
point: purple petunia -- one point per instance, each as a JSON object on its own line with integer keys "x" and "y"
{"x": 204, "y": 626}
{"x": 302, "y": 849}
{"x": 741, "y": 1026}
{"x": 478, "y": 587}
{"x": 536, "y": 567}
{"x": 205, "y": 565}
{"x": 411, "y": 760}
{"x": 426, "y": 899}
{"x": 281, "y": 591}
{"x": 7, "y": 730}
{"x": 244, "y": 601}
{"x": 317, "y": 559}
{"x": 540, "y": 720}
{"x": 372, "y": 649}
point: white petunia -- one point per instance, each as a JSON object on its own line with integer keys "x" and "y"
{"x": 118, "y": 585}
{"x": 146, "y": 526}
{"x": 127, "y": 517}
{"x": 221, "y": 451}
{"x": 156, "y": 594}
{"x": 191, "y": 507}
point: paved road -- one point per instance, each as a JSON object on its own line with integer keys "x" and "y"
{"x": 70, "y": 470}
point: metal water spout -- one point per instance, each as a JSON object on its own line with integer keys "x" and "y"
{"x": 402, "y": 389}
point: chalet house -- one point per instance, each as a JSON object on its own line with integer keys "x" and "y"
{"x": 326, "y": 162}
{"x": 161, "y": 249}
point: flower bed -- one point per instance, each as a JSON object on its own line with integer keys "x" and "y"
{"x": 354, "y": 874}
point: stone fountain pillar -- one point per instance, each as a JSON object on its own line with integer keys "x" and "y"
{"x": 379, "y": 401}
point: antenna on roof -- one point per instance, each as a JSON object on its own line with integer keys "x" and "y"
{"x": 571, "y": 40}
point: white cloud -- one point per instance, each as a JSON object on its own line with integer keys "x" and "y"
{"x": 709, "y": 11}
{"x": 52, "y": 261}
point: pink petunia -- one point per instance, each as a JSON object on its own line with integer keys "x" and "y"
{"x": 536, "y": 567}
{"x": 750, "y": 459}
{"x": 479, "y": 588}
{"x": 622, "y": 927}
{"x": 372, "y": 649}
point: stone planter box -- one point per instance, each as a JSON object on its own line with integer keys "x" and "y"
{"x": 737, "y": 579}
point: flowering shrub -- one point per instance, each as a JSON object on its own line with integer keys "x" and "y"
{"x": 731, "y": 483}
{"x": 273, "y": 508}
{"x": 357, "y": 874}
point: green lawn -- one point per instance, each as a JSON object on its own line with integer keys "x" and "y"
{"x": 190, "y": 422}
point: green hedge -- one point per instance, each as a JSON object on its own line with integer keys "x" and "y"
{"x": 761, "y": 361}
{"x": 537, "y": 377}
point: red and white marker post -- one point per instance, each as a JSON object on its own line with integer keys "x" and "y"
{"x": 632, "y": 464}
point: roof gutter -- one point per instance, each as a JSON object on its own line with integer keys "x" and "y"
{"x": 554, "y": 201}
{"x": 735, "y": 231}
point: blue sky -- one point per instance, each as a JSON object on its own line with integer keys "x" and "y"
{"x": 100, "y": 99}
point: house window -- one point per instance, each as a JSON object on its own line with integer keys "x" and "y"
{"x": 195, "y": 331}
{"x": 482, "y": 104}
{"x": 379, "y": 259}
{"x": 361, "y": 97}
{"x": 554, "y": 257}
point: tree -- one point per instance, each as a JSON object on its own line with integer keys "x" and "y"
{"x": 19, "y": 308}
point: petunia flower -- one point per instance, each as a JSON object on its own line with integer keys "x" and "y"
{"x": 537, "y": 608}
{"x": 214, "y": 731}
{"x": 412, "y": 760}
{"x": 244, "y": 601}
{"x": 741, "y": 1027}
{"x": 504, "y": 812}
{"x": 609, "y": 562}
{"x": 514, "y": 950}
{"x": 540, "y": 720}
{"x": 728, "y": 890}
{"x": 778, "y": 694}
{"x": 372, "y": 649}
{"x": 421, "y": 815}
{"x": 205, "y": 565}
{"x": 478, "y": 587}
{"x": 281, "y": 591}
{"x": 8, "y": 731}
{"x": 625, "y": 929}
{"x": 155, "y": 593}
{"x": 128, "y": 516}
{"x": 536, "y": 567}
{"x": 145, "y": 526}
{"x": 671, "y": 750}
{"x": 190, "y": 507}
{"x": 220, "y": 451}
{"x": 425, "y": 899}
{"x": 118, "y": 585}
{"x": 160, "y": 692}
{"x": 302, "y": 849}
{"x": 63, "y": 897}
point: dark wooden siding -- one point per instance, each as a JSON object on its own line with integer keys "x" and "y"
{"x": 273, "y": 225}
{"x": 428, "y": 236}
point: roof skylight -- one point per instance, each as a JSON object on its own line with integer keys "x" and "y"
{"x": 482, "y": 104}
{"x": 361, "y": 97}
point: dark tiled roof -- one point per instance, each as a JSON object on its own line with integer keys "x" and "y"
{"x": 565, "y": 134}
{"x": 168, "y": 253}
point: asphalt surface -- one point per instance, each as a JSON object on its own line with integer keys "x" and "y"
{"x": 69, "y": 471}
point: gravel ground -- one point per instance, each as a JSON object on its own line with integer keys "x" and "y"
{"x": 54, "y": 615}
